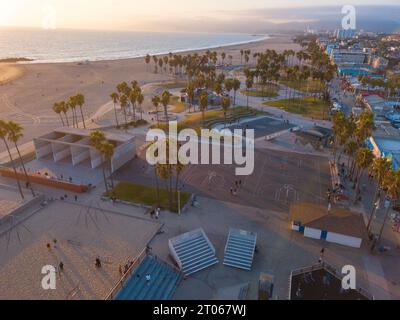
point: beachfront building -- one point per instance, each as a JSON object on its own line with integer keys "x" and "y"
{"x": 348, "y": 56}
{"x": 337, "y": 225}
{"x": 73, "y": 144}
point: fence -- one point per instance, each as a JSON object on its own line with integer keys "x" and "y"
{"x": 126, "y": 275}
{"x": 35, "y": 178}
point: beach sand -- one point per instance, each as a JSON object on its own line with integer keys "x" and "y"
{"x": 10, "y": 72}
{"x": 28, "y": 98}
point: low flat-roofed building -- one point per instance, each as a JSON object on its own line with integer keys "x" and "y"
{"x": 337, "y": 225}
{"x": 74, "y": 144}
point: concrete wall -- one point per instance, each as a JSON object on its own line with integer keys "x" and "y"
{"x": 79, "y": 154}
{"x": 123, "y": 154}
{"x": 42, "y": 148}
{"x": 312, "y": 233}
{"x": 344, "y": 240}
{"x": 95, "y": 158}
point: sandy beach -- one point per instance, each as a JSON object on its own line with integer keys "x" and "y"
{"x": 28, "y": 91}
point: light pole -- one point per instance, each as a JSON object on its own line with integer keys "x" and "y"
{"x": 179, "y": 201}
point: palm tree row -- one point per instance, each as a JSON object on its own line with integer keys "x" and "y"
{"x": 106, "y": 150}
{"x": 128, "y": 96}
{"x": 167, "y": 170}
{"x": 11, "y": 132}
{"x": 349, "y": 135}
{"x": 63, "y": 107}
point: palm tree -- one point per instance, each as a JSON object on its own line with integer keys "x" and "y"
{"x": 223, "y": 56}
{"x": 190, "y": 89}
{"x": 72, "y": 105}
{"x": 156, "y": 101}
{"x": 165, "y": 98}
{"x": 14, "y": 134}
{"x": 57, "y": 109}
{"x": 123, "y": 100}
{"x": 64, "y": 107}
{"x": 179, "y": 167}
{"x": 249, "y": 85}
{"x": 115, "y": 97}
{"x": 228, "y": 83}
{"x": 3, "y": 135}
{"x": 235, "y": 87}
{"x": 107, "y": 150}
{"x": 380, "y": 169}
{"x": 140, "y": 99}
{"x": 147, "y": 60}
{"x": 133, "y": 98}
{"x": 225, "y": 104}
{"x": 80, "y": 101}
{"x": 364, "y": 158}
{"x": 97, "y": 140}
{"x": 392, "y": 187}
{"x": 203, "y": 103}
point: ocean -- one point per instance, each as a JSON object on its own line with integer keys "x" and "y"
{"x": 45, "y": 46}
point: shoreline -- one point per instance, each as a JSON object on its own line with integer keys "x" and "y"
{"x": 29, "y": 98}
{"x": 182, "y": 51}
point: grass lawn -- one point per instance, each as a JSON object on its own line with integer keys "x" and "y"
{"x": 172, "y": 85}
{"x": 267, "y": 93}
{"x": 309, "y": 85}
{"x": 178, "y": 105}
{"x": 137, "y": 193}
{"x": 309, "y": 107}
{"x": 194, "y": 120}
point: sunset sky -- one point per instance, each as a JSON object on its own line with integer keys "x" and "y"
{"x": 138, "y": 14}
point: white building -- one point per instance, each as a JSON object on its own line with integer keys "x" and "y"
{"x": 73, "y": 144}
{"x": 337, "y": 225}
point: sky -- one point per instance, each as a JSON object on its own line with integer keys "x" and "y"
{"x": 145, "y": 15}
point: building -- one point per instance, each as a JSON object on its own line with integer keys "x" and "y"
{"x": 337, "y": 225}
{"x": 347, "y": 56}
{"x": 342, "y": 34}
{"x": 354, "y": 70}
{"x": 379, "y": 62}
{"x": 73, "y": 144}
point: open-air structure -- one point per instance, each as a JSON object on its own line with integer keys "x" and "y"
{"x": 74, "y": 144}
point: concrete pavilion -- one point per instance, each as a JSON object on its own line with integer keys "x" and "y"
{"x": 74, "y": 143}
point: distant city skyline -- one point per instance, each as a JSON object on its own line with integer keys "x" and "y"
{"x": 160, "y": 15}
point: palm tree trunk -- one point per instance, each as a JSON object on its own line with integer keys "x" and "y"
{"x": 157, "y": 186}
{"x": 24, "y": 169}
{"x": 104, "y": 175}
{"x": 66, "y": 117}
{"x": 116, "y": 116}
{"x": 83, "y": 118}
{"x": 111, "y": 174}
{"x": 384, "y": 221}
{"x": 358, "y": 185}
{"x": 166, "y": 114}
{"x": 14, "y": 169}
{"x": 62, "y": 120}
{"x": 170, "y": 188}
{"x": 176, "y": 186}
{"x": 371, "y": 215}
